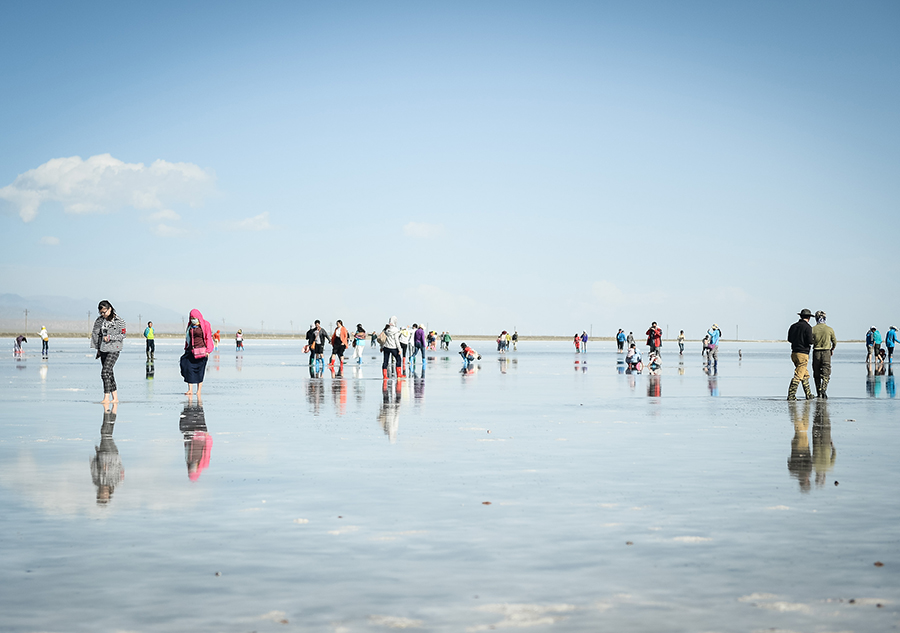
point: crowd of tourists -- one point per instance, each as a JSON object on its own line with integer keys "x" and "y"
{"x": 406, "y": 345}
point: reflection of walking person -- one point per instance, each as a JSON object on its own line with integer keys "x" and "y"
{"x": 106, "y": 465}
{"x": 801, "y": 339}
{"x": 106, "y": 337}
{"x": 197, "y": 442}
{"x": 198, "y": 344}
{"x": 800, "y": 462}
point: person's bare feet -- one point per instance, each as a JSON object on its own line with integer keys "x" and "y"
{"x": 115, "y": 396}
{"x": 105, "y": 400}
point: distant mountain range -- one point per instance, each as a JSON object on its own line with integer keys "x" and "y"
{"x": 67, "y": 314}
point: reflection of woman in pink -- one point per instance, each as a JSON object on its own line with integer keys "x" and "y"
{"x": 197, "y": 441}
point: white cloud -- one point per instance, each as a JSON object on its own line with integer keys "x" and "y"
{"x": 103, "y": 183}
{"x": 48, "y": 240}
{"x": 422, "y": 230}
{"x": 164, "y": 230}
{"x": 256, "y": 223}
{"x": 164, "y": 214}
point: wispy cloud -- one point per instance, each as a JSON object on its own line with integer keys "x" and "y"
{"x": 103, "y": 183}
{"x": 164, "y": 230}
{"x": 422, "y": 230}
{"x": 49, "y": 240}
{"x": 256, "y": 223}
{"x": 164, "y": 214}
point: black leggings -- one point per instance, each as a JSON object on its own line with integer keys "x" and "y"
{"x": 388, "y": 352}
{"x": 108, "y": 360}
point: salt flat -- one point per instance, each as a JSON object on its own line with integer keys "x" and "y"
{"x": 542, "y": 490}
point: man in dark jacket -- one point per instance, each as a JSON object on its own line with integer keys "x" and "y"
{"x": 800, "y": 336}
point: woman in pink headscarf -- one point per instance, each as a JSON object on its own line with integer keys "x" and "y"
{"x": 198, "y": 344}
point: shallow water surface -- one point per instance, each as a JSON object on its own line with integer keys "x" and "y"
{"x": 538, "y": 489}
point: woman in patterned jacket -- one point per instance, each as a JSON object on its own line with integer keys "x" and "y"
{"x": 106, "y": 338}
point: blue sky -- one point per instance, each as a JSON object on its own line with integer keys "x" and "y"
{"x": 477, "y": 166}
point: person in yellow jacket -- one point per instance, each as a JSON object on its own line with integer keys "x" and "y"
{"x": 151, "y": 342}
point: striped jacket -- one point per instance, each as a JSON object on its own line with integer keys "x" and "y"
{"x": 114, "y": 329}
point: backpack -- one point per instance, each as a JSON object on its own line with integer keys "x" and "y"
{"x": 381, "y": 338}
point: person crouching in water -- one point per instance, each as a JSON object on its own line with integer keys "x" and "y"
{"x": 633, "y": 358}
{"x": 468, "y": 354}
{"x": 198, "y": 344}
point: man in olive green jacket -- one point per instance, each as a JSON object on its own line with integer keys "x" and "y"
{"x": 824, "y": 342}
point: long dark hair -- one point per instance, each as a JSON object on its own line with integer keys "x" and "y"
{"x": 112, "y": 310}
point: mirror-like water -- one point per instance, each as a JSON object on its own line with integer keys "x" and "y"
{"x": 540, "y": 489}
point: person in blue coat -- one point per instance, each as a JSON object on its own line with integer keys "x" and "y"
{"x": 876, "y": 344}
{"x": 890, "y": 341}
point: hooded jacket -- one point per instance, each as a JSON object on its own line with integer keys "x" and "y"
{"x": 392, "y": 335}
{"x": 207, "y": 332}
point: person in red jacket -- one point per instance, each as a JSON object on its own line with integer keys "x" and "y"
{"x": 654, "y": 338}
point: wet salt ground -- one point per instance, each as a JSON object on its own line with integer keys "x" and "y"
{"x": 330, "y": 504}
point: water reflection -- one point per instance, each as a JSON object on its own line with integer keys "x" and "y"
{"x": 579, "y": 364}
{"x": 712, "y": 382}
{"x": 823, "y": 452}
{"x": 880, "y": 377}
{"x": 149, "y": 370}
{"x": 359, "y": 387}
{"x": 800, "y": 461}
{"x": 315, "y": 391}
{"x": 389, "y": 413}
{"x": 654, "y": 385}
{"x": 339, "y": 389}
{"x": 197, "y": 441}
{"x": 419, "y": 385}
{"x": 106, "y": 465}
{"x": 821, "y": 457}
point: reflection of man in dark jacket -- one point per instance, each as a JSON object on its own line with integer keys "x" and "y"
{"x": 800, "y": 463}
{"x": 801, "y": 339}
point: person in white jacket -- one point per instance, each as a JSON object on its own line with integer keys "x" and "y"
{"x": 45, "y": 341}
{"x": 391, "y": 347}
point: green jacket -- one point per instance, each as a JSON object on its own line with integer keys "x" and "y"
{"x": 823, "y": 337}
